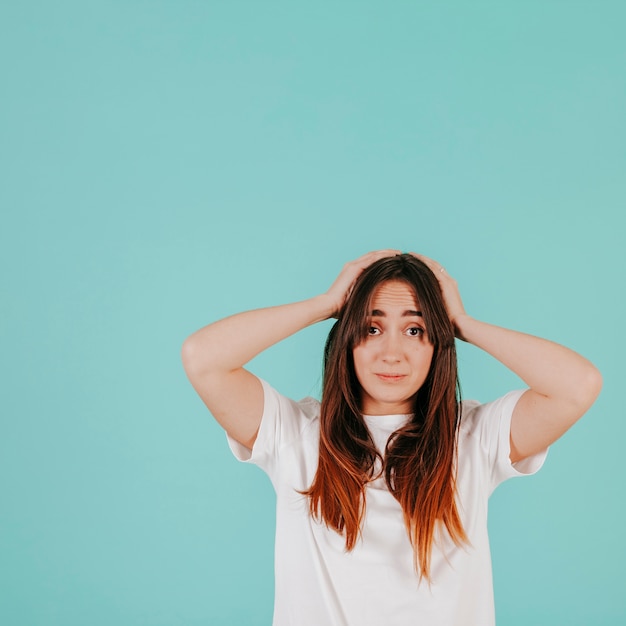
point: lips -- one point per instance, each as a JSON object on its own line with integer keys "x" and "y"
{"x": 391, "y": 377}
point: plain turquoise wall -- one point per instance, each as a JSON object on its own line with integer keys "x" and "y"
{"x": 164, "y": 164}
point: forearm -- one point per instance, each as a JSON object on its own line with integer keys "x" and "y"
{"x": 546, "y": 367}
{"x": 230, "y": 343}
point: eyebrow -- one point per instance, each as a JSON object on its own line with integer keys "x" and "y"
{"x": 407, "y": 313}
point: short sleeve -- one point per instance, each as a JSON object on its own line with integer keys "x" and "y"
{"x": 491, "y": 424}
{"x": 283, "y": 422}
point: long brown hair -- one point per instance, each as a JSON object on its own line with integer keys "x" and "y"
{"x": 420, "y": 458}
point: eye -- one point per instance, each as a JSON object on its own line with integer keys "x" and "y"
{"x": 372, "y": 330}
{"x": 415, "y": 331}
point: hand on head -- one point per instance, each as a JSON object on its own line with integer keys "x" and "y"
{"x": 342, "y": 287}
{"x": 449, "y": 288}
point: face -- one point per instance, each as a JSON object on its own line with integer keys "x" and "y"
{"x": 393, "y": 361}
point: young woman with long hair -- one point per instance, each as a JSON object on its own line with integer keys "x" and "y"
{"x": 382, "y": 487}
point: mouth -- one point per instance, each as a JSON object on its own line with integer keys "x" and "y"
{"x": 390, "y": 378}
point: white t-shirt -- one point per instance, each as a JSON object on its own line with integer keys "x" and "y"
{"x": 318, "y": 583}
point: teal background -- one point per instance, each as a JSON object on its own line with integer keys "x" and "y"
{"x": 165, "y": 164}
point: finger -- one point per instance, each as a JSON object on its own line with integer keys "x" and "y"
{"x": 380, "y": 254}
{"x": 356, "y": 267}
{"x": 437, "y": 269}
{"x": 372, "y": 257}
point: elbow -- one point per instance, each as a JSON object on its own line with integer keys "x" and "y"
{"x": 199, "y": 359}
{"x": 589, "y": 388}
{"x": 596, "y": 383}
{"x": 189, "y": 355}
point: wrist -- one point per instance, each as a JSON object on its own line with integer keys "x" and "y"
{"x": 461, "y": 325}
{"x": 324, "y": 306}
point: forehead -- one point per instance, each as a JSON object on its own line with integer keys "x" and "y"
{"x": 393, "y": 294}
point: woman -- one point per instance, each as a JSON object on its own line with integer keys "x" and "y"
{"x": 382, "y": 489}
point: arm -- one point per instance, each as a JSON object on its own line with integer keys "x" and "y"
{"x": 214, "y": 356}
{"x": 563, "y": 384}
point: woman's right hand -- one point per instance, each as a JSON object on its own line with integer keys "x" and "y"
{"x": 342, "y": 287}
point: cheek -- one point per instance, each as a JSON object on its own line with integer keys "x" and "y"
{"x": 424, "y": 359}
{"x": 429, "y": 361}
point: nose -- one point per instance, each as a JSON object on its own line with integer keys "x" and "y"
{"x": 391, "y": 349}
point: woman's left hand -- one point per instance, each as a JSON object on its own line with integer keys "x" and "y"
{"x": 449, "y": 290}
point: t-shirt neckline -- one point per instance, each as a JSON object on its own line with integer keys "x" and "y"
{"x": 393, "y": 420}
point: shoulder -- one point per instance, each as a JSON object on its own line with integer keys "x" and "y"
{"x": 277, "y": 404}
{"x": 479, "y": 419}
{"x": 484, "y": 433}
{"x": 284, "y": 421}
